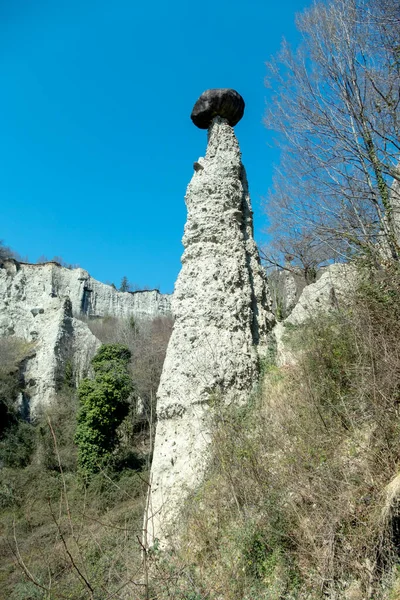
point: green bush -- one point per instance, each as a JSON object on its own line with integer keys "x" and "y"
{"x": 103, "y": 406}
{"x": 8, "y": 394}
{"x": 17, "y": 445}
{"x": 61, "y": 416}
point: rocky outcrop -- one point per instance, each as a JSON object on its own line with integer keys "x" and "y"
{"x": 42, "y": 303}
{"x": 286, "y": 287}
{"x": 36, "y": 285}
{"x": 222, "y": 102}
{"x": 395, "y": 204}
{"x": 328, "y": 293}
{"x": 222, "y": 314}
{"x": 60, "y": 344}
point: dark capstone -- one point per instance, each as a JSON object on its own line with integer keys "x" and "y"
{"x": 219, "y": 102}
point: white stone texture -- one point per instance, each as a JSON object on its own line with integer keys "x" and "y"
{"x": 36, "y": 284}
{"x": 329, "y": 292}
{"x": 222, "y": 312}
{"x": 286, "y": 288}
{"x": 58, "y": 338}
{"x": 39, "y": 302}
{"x": 395, "y": 204}
{"x": 394, "y": 196}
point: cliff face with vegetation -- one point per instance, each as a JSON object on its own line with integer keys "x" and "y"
{"x": 302, "y": 496}
{"x": 44, "y": 304}
{"x": 36, "y": 285}
{"x": 275, "y": 471}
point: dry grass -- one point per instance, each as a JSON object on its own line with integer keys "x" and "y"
{"x": 302, "y": 497}
{"x": 59, "y": 540}
{"x": 301, "y": 500}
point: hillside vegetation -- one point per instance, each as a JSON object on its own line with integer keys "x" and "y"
{"x": 303, "y": 490}
{"x": 301, "y": 498}
{"x": 73, "y": 482}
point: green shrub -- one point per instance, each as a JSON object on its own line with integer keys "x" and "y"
{"x": 61, "y": 416}
{"x": 12, "y": 351}
{"x": 9, "y": 388}
{"x": 103, "y": 406}
{"x": 18, "y": 444}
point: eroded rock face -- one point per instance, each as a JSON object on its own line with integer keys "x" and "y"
{"x": 58, "y": 339}
{"x": 222, "y": 314}
{"x": 329, "y": 292}
{"x": 395, "y": 204}
{"x": 41, "y": 303}
{"x": 36, "y": 285}
{"x": 222, "y": 102}
{"x": 286, "y": 288}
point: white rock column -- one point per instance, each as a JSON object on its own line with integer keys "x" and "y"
{"x": 222, "y": 312}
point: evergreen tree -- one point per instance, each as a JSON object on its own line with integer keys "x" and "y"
{"x": 103, "y": 406}
{"x": 125, "y": 286}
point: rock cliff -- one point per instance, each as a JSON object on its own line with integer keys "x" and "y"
{"x": 286, "y": 288}
{"x": 222, "y": 314}
{"x": 328, "y": 293}
{"x": 42, "y": 303}
{"x": 35, "y": 285}
{"x": 61, "y": 343}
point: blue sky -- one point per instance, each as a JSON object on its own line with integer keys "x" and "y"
{"x": 97, "y": 146}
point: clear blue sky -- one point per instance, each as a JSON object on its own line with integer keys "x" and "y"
{"x": 97, "y": 146}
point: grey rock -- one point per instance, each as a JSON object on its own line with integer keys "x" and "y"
{"x": 222, "y": 316}
{"x": 286, "y": 288}
{"x": 395, "y": 203}
{"x": 333, "y": 286}
{"x": 38, "y": 285}
{"x": 219, "y": 102}
{"x": 60, "y": 297}
{"x": 58, "y": 338}
{"x": 197, "y": 166}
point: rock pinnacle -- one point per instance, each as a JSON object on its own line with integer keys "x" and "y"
{"x": 221, "y": 305}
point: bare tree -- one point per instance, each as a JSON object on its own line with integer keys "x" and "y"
{"x": 335, "y": 104}
{"x": 57, "y": 259}
{"x": 294, "y": 248}
{"x": 148, "y": 340}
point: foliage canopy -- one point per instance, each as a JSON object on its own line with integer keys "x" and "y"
{"x": 103, "y": 406}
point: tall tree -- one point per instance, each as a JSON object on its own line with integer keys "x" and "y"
{"x": 335, "y": 103}
{"x": 103, "y": 406}
{"x": 125, "y": 285}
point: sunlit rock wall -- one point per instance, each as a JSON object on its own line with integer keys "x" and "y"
{"x": 42, "y": 303}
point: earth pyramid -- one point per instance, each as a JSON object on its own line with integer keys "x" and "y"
{"x": 222, "y": 314}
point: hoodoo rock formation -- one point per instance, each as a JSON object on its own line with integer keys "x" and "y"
{"x": 222, "y": 314}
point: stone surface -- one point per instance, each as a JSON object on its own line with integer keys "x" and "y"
{"x": 286, "y": 288}
{"x": 36, "y": 285}
{"x": 41, "y": 303}
{"x": 222, "y": 314}
{"x": 395, "y": 204}
{"x": 58, "y": 339}
{"x": 328, "y": 293}
{"x": 222, "y": 102}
